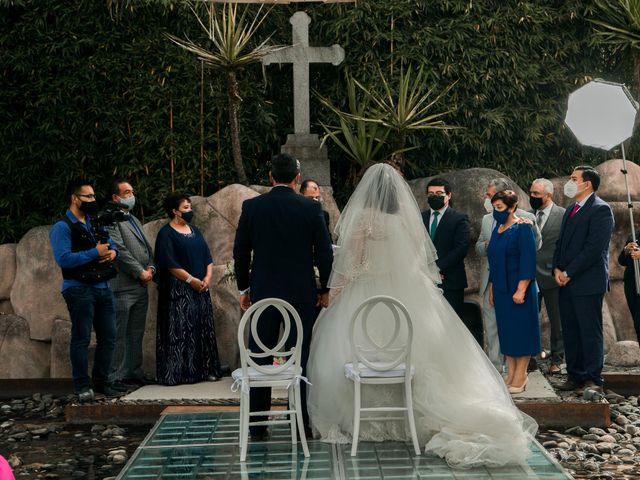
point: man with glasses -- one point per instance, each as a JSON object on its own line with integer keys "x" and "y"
{"x": 450, "y": 231}
{"x": 130, "y": 288}
{"x": 86, "y": 260}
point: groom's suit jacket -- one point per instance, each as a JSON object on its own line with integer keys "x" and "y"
{"x": 287, "y": 235}
{"x": 452, "y": 244}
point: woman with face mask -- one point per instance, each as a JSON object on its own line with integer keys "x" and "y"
{"x": 513, "y": 290}
{"x": 186, "y": 349}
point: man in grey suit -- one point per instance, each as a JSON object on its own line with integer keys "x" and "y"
{"x": 135, "y": 271}
{"x": 492, "y": 343}
{"x": 549, "y": 221}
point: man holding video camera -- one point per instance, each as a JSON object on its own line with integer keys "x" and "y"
{"x": 85, "y": 254}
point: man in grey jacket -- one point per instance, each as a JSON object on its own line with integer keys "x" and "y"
{"x": 549, "y": 221}
{"x": 130, "y": 288}
{"x": 492, "y": 343}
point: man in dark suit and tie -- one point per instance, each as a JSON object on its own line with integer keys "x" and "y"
{"x": 287, "y": 235}
{"x": 580, "y": 268}
{"x": 549, "y": 220}
{"x": 449, "y": 231}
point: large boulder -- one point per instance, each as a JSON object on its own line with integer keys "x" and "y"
{"x": 612, "y": 186}
{"x": 217, "y": 217}
{"x": 8, "y": 269}
{"x": 59, "y": 353}
{"x": 620, "y": 315}
{"x": 21, "y": 356}
{"x": 623, "y": 354}
{"x": 468, "y": 189}
{"x": 35, "y": 294}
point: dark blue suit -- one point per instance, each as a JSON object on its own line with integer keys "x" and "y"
{"x": 583, "y": 252}
{"x": 287, "y": 235}
{"x": 452, "y": 244}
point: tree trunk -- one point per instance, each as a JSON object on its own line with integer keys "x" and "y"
{"x": 397, "y": 157}
{"x": 234, "y": 121}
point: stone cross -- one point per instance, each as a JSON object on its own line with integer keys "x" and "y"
{"x": 300, "y": 54}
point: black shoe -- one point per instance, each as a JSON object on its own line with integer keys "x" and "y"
{"x": 533, "y": 365}
{"x": 118, "y": 386}
{"x": 212, "y": 378}
{"x": 86, "y": 394}
{"x": 568, "y": 386}
{"x": 107, "y": 391}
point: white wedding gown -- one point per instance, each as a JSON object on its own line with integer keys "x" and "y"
{"x": 464, "y": 412}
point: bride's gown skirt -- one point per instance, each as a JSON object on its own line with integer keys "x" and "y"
{"x": 464, "y": 412}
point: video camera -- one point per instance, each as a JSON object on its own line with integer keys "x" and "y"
{"x": 109, "y": 215}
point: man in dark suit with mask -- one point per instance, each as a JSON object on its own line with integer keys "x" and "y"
{"x": 280, "y": 236}
{"x": 580, "y": 268}
{"x": 449, "y": 231}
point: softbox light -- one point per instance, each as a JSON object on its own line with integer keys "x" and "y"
{"x": 601, "y": 114}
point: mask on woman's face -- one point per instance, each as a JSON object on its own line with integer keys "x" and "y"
{"x": 187, "y": 216}
{"x": 501, "y": 217}
{"x": 487, "y": 205}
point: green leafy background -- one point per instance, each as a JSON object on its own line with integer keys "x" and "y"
{"x": 85, "y": 93}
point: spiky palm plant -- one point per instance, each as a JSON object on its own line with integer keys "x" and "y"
{"x": 230, "y": 35}
{"x": 360, "y": 140}
{"x": 403, "y": 107}
{"x": 618, "y": 25}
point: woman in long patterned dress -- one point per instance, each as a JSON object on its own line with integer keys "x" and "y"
{"x": 186, "y": 349}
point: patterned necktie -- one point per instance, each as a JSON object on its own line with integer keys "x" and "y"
{"x": 434, "y": 225}
{"x": 576, "y": 207}
{"x": 539, "y": 218}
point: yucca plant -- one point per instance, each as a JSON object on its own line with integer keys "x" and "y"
{"x": 230, "y": 35}
{"x": 361, "y": 141}
{"x": 404, "y": 107}
{"x": 618, "y": 25}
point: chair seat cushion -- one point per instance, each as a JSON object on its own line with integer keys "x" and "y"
{"x": 254, "y": 375}
{"x": 365, "y": 372}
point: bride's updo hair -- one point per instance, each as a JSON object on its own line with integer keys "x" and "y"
{"x": 383, "y": 195}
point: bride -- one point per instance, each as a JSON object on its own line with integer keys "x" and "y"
{"x": 463, "y": 410}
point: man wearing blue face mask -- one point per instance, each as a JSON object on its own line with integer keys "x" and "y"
{"x": 580, "y": 268}
{"x": 135, "y": 272}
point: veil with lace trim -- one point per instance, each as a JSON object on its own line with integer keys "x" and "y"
{"x": 464, "y": 412}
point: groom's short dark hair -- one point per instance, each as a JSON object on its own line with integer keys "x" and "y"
{"x": 284, "y": 168}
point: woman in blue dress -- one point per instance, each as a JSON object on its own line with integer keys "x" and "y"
{"x": 186, "y": 350}
{"x": 514, "y": 293}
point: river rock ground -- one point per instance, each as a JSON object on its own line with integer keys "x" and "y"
{"x": 39, "y": 444}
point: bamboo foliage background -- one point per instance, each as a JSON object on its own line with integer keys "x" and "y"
{"x": 88, "y": 91}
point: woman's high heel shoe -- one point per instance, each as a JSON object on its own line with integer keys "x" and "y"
{"x": 521, "y": 389}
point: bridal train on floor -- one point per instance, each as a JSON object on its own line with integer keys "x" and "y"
{"x": 463, "y": 410}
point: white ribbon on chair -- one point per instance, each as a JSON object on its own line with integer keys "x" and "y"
{"x": 240, "y": 383}
{"x": 296, "y": 381}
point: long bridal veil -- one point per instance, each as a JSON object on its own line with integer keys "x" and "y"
{"x": 464, "y": 412}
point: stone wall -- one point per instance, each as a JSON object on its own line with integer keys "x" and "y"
{"x": 34, "y": 322}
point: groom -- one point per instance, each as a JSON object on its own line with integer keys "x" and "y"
{"x": 286, "y": 234}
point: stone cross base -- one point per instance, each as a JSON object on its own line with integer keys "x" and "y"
{"x": 314, "y": 161}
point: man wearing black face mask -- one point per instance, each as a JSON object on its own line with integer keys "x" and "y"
{"x": 86, "y": 265}
{"x": 449, "y": 231}
{"x": 549, "y": 220}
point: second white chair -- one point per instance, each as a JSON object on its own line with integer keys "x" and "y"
{"x": 287, "y": 375}
{"x": 367, "y": 368}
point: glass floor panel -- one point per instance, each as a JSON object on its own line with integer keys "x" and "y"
{"x": 204, "y": 446}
